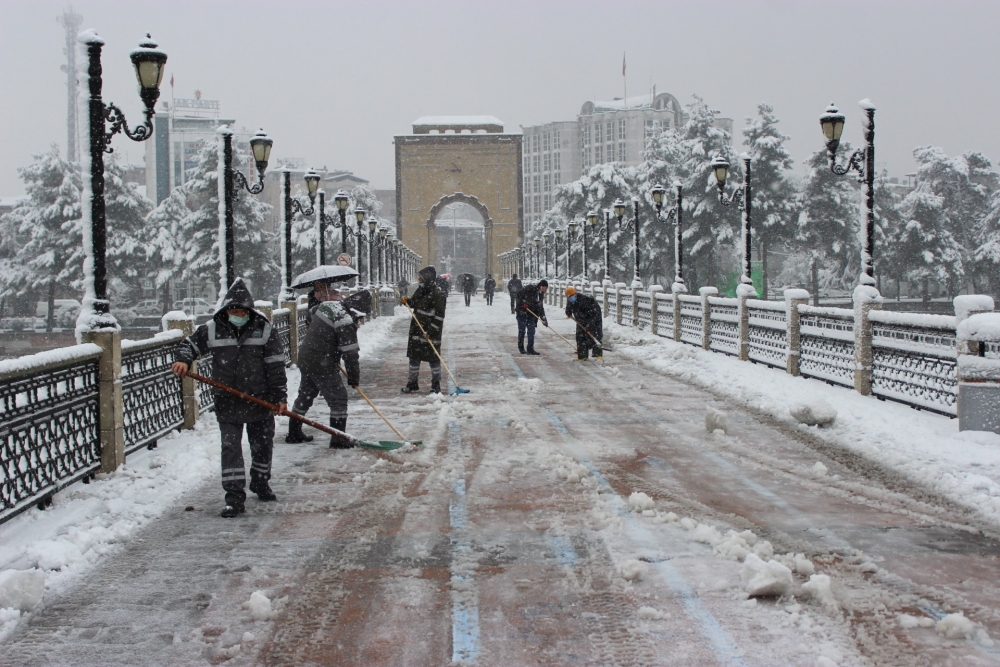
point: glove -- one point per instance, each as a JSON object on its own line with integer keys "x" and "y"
{"x": 405, "y": 300}
{"x": 545, "y": 322}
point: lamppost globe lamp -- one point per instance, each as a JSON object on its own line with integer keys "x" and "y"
{"x": 260, "y": 146}
{"x": 720, "y": 167}
{"x": 382, "y": 231}
{"x": 149, "y": 63}
{"x": 658, "y": 193}
{"x": 593, "y": 217}
{"x": 538, "y": 242}
{"x": 619, "y": 207}
{"x": 372, "y": 224}
{"x": 312, "y": 183}
{"x": 359, "y": 213}
{"x": 341, "y": 200}
{"x": 559, "y": 233}
{"x": 832, "y": 122}
{"x": 572, "y": 227}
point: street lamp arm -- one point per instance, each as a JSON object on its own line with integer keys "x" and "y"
{"x": 736, "y": 198}
{"x": 668, "y": 215}
{"x": 116, "y": 118}
{"x": 856, "y": 163}
{"x": 241, "y": 182}
{"x": 298, "y": 208}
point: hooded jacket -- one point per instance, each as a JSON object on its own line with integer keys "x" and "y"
{"x": 331, "y": 335}
{"x": 529, "y": 298}
{"x": 428, "y": 304}
{"x": 250, "y": 358}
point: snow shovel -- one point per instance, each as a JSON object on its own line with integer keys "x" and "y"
{"x": 379, "y": 412}
{"x": 572, "y": 345}
{"x": 458, "y": 390}
{"x": 383, "y": 445}
{"x": 603, "y": 346}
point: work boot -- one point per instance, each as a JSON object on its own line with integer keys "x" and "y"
{"x": 531, "y": 350}
{"x": 335, "y": 442}
{"x": 521, "y": 350}
{"x": 600, "y": 358}
{"x": 580, "y": 359}
{"x": 435, "y": 387}
{"x": 232, "y": 511}
{"x": 410, "y": 388}
{"x": 295, "y": 433}
{"x": 263, "y": 490}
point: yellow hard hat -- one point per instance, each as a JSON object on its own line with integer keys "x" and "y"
{"x": 570, "y": 291}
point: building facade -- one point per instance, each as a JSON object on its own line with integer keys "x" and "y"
{"x": 614, "y": 131}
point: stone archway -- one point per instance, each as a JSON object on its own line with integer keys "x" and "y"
{"x": 456, "y": 160}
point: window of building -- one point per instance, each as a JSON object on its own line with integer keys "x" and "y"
{"x": 547, "y": 162}
{"x": 538, "y": 203}
{"x": 548, "y": 201}
{"x": 556, "y": 144}
{"x": 557, "y": 161}
{"x": 621, "y": 151}
{"x": 556, "y": 178}
{"x": 586, "y": 135}
{"x": 599, "y": 133}
{"x": 545, "y": 141}
{"x": 534, "y": 163}
{"x": 546, "y": 183}
{"x": 534, "y": 144}
{"x": 527, "y": 184}
{"x": 534, "y": 183}
{"x": 621, "y": 130}
{"x": 611, "y": 131}
{"x": 599, "y": 154}
{"x": 586, "y": 157}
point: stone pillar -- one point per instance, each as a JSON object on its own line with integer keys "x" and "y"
{"x": 265, "y": 307}
{"x": 967, "y": 305}
{"x": 619, "y": 292}
{"x": 677, "y": 315}
{"x": 744, "y": 327}
{"x": 793, "y": 299}
{"x": 293, "y": 329}
{"x": 189, "y": 394}
{"x": 653, "y": 308}
{"x": 706, "y": 316}
{"x": 110, "y": 410}
{"x": 866, "y": 299}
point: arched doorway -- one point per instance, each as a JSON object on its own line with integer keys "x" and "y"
{"x": 460, "y": 235}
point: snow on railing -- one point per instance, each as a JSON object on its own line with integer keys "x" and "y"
{"x": 768, "y": 332}
{"x": 724, "y": 322}
{"x": 644, "y": 309}
{"x": 827, "y": 344}
{"x": 691, "y": 316}
{"x": 664, "y": 314}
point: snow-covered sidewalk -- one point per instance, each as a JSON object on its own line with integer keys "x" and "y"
{"x": 926, "y": 448}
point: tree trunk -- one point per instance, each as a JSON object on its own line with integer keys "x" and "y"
{"x": 924, "y": 291}
{"x": 50, "y": 318}
{"x": 815, "y": 281}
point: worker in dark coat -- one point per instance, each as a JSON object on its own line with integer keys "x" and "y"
{"x": 530, "y": 309}
{"x": 490, "y": 286}
{"x": 428, "y": 305}
{"x": 468, "y": 282}
{"x": 443, "y": 285}
{"x": 513, "y": 287}
{"x": 589, "y": 317}
{"x": 331, "y": 337}
{"x": 247, "y": 354}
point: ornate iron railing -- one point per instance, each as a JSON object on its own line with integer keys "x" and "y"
{"x": 690, "y": 319}
{"x": 914, "y": 360}
{"x": 724, "y": 331}
{"x": 48, "y": 425}
{"x": 203, "y": 391}
{"x": 151, "y": 394}
{"x": 664, "y": 315}
{"x": 279, "y": 320}
{"x": 768, "y": 332}
{"x": 827, "y": 344}
{"x": 302, "y": 320}
{"x": 613, "y": 304}
{"x": 644, "y": 308}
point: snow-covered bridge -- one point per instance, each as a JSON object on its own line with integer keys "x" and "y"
{"x": 560, "y": 513}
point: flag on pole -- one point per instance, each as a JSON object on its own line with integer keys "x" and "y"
{"x": 623, "y": 63}
{"x": 171, "y": 80}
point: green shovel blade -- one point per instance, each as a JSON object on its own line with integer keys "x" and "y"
{"x": 386, "y": 445}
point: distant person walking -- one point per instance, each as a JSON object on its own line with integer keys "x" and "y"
{"x": 468, "y": 283}
{"x": 490, "y": 286}
{"x": 530, "y": 309}
{"x": 428, "y": 305}
{"x": 513, "y": 287}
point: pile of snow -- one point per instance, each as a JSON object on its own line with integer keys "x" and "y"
{"x": 909, "y": 622}
{"x": 765, "y": 579}
{"x": 814, "y": 413}
{"x": 956, "y": 626}
{"x": 715, "y": 420}
{"x": 259, "y": 606}
{"x": 21, "y": 589}
{"x": 640, "y": 502}
{"x": 652, "y": 614}
{"x": 632, "y": 570}
{"x": 819, "y": 469}
{"x": 818, "y": 588}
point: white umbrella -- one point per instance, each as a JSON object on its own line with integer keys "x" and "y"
{"x": 327, "y": 273}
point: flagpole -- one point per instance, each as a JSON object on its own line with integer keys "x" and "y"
{"x": 624, "y": 82}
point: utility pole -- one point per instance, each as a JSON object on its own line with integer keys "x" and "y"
{"x": 71, "y": 22}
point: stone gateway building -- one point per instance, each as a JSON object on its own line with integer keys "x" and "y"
{"x": 452, "y": 160}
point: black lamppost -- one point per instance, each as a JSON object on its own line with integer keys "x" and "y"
{"x": 555, "y": 251}
{"x": 341, "y": 200}
{"x": 232, "y": 180}
{"x": 674, "y": 212}
{"x": 593, "y": 217}
{"x": 359, "y": 236}
{"x": 546, "y": 240}
{"x": 372, "y": 225}
{"x": 149, "y": 63}
{"x": 607, "y": 245}
{"x": 632, "y": 224}
{"x": 570, "y": 233}
{"x": 379, "y": 240}
{"x": 291, "y": 207}
{"x": 538, "y": 258}
{"x": 863, "y": 162}
{"x": 743, "y": 198}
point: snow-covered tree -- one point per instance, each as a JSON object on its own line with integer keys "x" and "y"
{"x": 827, "y": 226}
{"x": 45, "y": 226}
{"x": 774, "y": 194}
{"x": 925, "y": 249}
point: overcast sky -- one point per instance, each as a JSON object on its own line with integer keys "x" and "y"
{"x": 333, "y": 82}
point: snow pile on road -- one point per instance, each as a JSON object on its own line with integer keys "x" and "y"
{"x": 21, "y": 589}
{"x": 927, "y": 448}
{"x": 259, "y": 606}
{"x": 765, "y": 579}
{"x": 716, "y": 420}
{"x": 640, "y": 502}
{"x": 817, "y": 413}
{"x": 909, "y": 622}
{"x": 818, "y": 588}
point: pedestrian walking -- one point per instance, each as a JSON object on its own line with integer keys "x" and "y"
{"x": 428, "y": 305}
{"x": 489, "y": 286}
{"x": 530, "y": 309}
{"x": 589, "y": 317}
{"x": 513, "y": 287}
{"x": 331, "y": 337}
{"x": 246, "y": 355}
{"x": 468, "y": 283}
